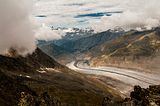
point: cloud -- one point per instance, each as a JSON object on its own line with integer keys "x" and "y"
{"x": 136, "y": 14}
{"x": 47, "y": 34}
{"x": 68, "y": 10}
{"x": 16, "y": 26}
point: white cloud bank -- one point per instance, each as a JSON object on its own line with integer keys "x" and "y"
{"x": 47, "y": 34}
{"x": 61, "y": 13}
{"x": 137, "y": 14}
{"x": 16, "y": 27}
{"x": 18, "y": 30}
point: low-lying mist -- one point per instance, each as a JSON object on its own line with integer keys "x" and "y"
{"x": 47, "y": 34}
{"x": 16, "y": 29}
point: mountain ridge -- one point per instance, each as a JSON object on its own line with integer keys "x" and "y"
{"x": 128, "y": 49}
{"x": 38, "y": 76}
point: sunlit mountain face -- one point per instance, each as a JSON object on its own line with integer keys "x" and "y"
{"x": 74, "y": 13}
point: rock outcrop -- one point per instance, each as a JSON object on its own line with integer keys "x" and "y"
{"x": 138, "y": 97}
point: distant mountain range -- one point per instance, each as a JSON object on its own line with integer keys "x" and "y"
{"x": 71, "y": 45}
{"x": 134, "y": 49}
{"x": 114, "y": 47}
{"x": 72, "y": 34}
{"x": 89, "y": 42}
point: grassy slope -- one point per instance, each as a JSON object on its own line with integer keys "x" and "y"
{"x": 133, "y": 49}
{"x": 61, "y": 83}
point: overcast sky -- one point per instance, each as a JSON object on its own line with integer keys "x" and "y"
{"x": 93, "y": 13}
{"x": 65, "y": 13}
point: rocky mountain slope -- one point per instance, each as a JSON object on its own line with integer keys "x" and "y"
{"x": 138, "y": 97}
{"x": 131, "y": 49}
{"x": 134, "y": 49}
{"x": 38, "y": 80}
{"x": 86, "y": 43}
{"x": 70, "y": 49}
{"x": 73, "y": 34}
{"x": 58, "y": 53}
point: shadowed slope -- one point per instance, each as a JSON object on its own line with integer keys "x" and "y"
{"x": 38, "y": 74}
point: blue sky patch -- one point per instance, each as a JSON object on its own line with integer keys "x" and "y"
{"x": 99, "y": 14}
